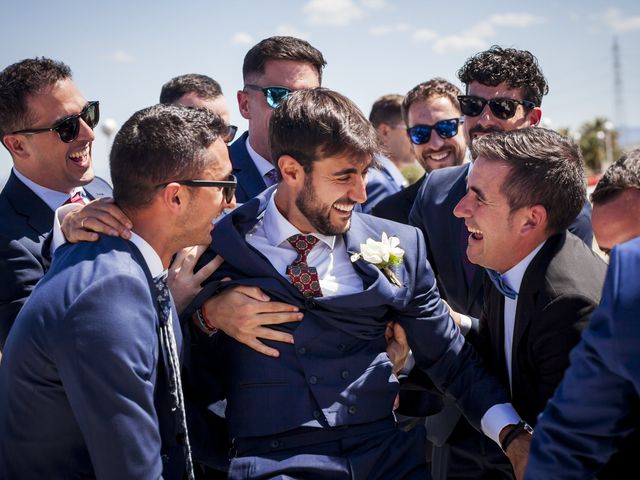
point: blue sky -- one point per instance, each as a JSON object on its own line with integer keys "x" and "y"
{"x": 121, "y": 52}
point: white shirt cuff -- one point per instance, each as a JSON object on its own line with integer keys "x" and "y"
{"x": 58, "y": 237}
{"x": 408, "y": 366}
{"x": 496, "y": 418}
{"x": 465, "y": 324}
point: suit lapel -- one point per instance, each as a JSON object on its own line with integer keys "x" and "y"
{"x": 26, "y": 203}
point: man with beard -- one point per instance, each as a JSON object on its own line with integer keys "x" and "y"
{"x": 504, "y": 90}
{"x": 431, "y": 114}
{"x": 323, "y": 409}
{"x": 47, "y": 126}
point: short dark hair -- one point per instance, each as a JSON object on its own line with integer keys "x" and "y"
{"x": 159, "y": 144}
{"x": 436, "y": 87}
{"x": 622, "y": 175}
{"x": 320, "y": 123}
{"x": 21, "y": 80}
{"x": 203, "y": 86}
{"x": 281, "y": 48}
{"x": 518, "y": 68}
{"x": 546, "y": 169}
{"x": 387, "y": 109}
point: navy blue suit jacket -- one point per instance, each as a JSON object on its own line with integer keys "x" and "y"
{"x": 24, "y": 222}
{"x": 396, "y": 207}
{"x": 596, "y": 405}
{"x": 250, "y": 182}
{"x": 83, "y": 382}
{"x": 337, "y": 372}
{"x": 380, "y": 185}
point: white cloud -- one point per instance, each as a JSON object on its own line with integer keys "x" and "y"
{"x": 291, "y": 31}
{"x": 120, "y": 56}
{"x": 332, "y": 12}
{"x": 424, "y": 34}
{"x": 518, "y": 20}
{"x": 620, "y": 23}
{"x": 388, "y": 29}
{"x": 377, "y": 4}
{"x": 452, "y": 43}
{"x": 242, "y": 38}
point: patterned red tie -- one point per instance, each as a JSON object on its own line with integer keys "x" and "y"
{"x": 302, "y": 276}
{"x": 75, "y": 198}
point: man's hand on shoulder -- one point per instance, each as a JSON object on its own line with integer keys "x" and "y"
{"x": 183, "y": 282}
{"x": 98, "y": 216}
{"x": 244, "y": 313}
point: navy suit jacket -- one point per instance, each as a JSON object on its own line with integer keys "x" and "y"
{"x": 337, "y": 372}
{"x": 83, "y": 382}
{"x": 596, "y": 405}
{"x": 380, "y": 185}
{"x": 396, "y": 207}
{"x": 250, "y": 182}
{"x": 24, "y": 222}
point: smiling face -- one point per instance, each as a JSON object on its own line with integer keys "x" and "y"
{"x": 487, "y": 122}
{"x": 325, "y": 197}
{"x": 253, "y": 103}
{"x": 437, "y": 152}
{"x": 495, "y": 232}
{"x": 45, "y": 158}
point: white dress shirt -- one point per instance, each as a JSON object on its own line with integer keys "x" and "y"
{"x": 263, "y": 165}
{"x": 329, "y": 256}
{"x": 52, "y": 198}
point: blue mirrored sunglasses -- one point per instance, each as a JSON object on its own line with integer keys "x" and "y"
{"x": 274, "y": 95}
{"x": 421, "y": 134}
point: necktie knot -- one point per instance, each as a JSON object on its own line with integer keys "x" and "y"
{"x": 75, "y": 198}
{"x": 501, "y": 284}
{"x": 272, "y": 177}
{"x": 302, "y": 276}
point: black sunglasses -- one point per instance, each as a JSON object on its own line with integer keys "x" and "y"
{"x": 421, "y": 134}
{"x": 231, "y": 133}
{"x": 228, "y": 186}
{"x": 502, "y": 108}
{"x": 275, "y": 95}
{"x": 68, "y": 128}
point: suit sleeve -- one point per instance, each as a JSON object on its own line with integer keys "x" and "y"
{"x": 589, "y": 415}
{"x": 107, "y": 360}
{"x": 440, "y": 349}
{"x": 20, "y": 270}
{"x": 377, "y": 189}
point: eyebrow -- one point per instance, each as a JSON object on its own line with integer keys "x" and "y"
{"x": 478, "y": 193}
{"x": 346, "y": 171}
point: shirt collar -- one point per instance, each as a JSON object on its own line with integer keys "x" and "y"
{"x": 263, "y": 165}
{"x": 515, "y": 274}
{"x": 150, "y": 256}
{"x": 277, "y": 228}
{"x": 52, "y": 198}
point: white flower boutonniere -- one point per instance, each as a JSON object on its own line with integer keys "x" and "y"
{"x": 384, "y": 254}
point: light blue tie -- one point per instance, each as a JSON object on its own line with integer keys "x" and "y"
{"x": 502, "y": 286}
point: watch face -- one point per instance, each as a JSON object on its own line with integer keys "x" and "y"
{"x": 527, "y": 428}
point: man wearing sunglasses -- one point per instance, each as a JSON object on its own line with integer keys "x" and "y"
{"x": 504, "y": 90}
{"x": 199, "y": 91}
{"x": 431, "y": 114}
{"x": 90, "y": 383}
{"x": 47, "y": 127}
{"x": 272, "y": 69}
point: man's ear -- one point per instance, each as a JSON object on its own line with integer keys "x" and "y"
{"x": 535, "y": 220}
{"x": 16, "y": 146}
{"x": 535, "y": 115}
{"x": 174, "y": 197}
{"x": 291, "y": 172}
{"x": 243, "y": 104}
{"x": 383, "y": 130}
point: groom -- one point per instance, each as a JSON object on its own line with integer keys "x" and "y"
{"x": 324, "y": 407}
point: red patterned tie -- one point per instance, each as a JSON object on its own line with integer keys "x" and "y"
{"x": 75, "y": 198}
{"x": 302, "y": 276}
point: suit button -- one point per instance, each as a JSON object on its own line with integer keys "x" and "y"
{"x": 180, "y": 438}
{"x": 351, "y": 409}
{"x": 302, "y": 350}
{"x": 313, "y": 379}
{"x": 344, "y": 374}
{"x": 311, "y": 303}
{"x": 275, "y": 444}
{"x": 341, "y": 347}
{"x": 165, "y": 458}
